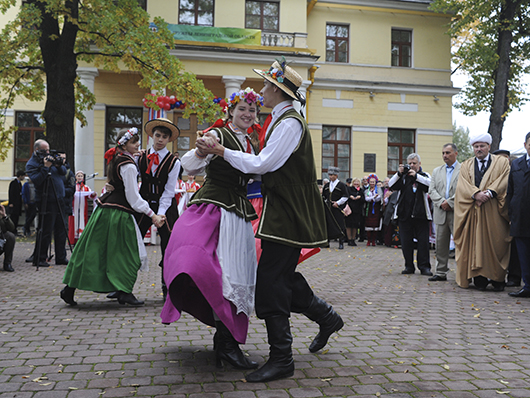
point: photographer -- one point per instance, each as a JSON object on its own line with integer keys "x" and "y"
{"x": 7, "y": 239}
{"x": 413, "y": 213}
{"x": 46, "y": 164}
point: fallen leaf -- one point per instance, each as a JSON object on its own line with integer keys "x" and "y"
{"x": 446, "y": 367}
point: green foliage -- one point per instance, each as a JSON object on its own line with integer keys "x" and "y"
{"x": 475, "y": 31}
{"x": 111, "y": 35}
{"x": 461, "y": 140}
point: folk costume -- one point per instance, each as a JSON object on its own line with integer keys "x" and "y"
{"x": 335, "y": 192}
{"x": 293, "y": 218}
{"x": 77, "y": 221}
{"x": 159, "y": 171}
{"x": 481, "y": 233}
{"x": 190, "y": 187}
{"x": 374, "y": 206}
{"x": 110, "y": 251}
{"x": 217, "y": 284}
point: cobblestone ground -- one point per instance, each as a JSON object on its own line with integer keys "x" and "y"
{"x": 403, "y": 337}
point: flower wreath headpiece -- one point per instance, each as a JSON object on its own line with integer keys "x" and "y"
{"x": 373, "y": 176}
{"x": 248, "y": 95}
{"x": 109, "y": 155}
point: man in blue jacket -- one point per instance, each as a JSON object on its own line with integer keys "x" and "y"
{"x": 39, "y": 168}
{"x": 518, "y": 198}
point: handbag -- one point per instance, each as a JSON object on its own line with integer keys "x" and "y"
{"x": 346, "y": 210}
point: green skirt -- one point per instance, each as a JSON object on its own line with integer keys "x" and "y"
{"x": 106, "y": 258}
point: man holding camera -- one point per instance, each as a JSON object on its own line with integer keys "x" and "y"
{"x": 413, "y": 213}
{"x": 47, "y": 170}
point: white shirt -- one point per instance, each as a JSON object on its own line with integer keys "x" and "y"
{"x": 281, "y": 144}
{"x": 129, "y": 174}
{"x": 169, "y": 188}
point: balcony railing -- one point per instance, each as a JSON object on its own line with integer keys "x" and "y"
{"x": 276, "y": 39}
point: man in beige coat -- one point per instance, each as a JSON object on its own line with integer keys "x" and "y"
{"x": 442, "y": 193}
{"x": 481, "y": 229}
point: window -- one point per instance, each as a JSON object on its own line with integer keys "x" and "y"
{"x": 337, "y": 43}
{"x": 29, "y": 130}
{"x": 401, "y": 143}
{"x": 118, "y": 118}
{"x": 336, "y": 143}
{"x": 401, "y": 47}
{"x": 196, "y": 12}
{"x": 263, "y": 15}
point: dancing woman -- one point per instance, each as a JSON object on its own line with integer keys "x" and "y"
{"x": 210, "y": 262}
{"x": 110, "y": 251}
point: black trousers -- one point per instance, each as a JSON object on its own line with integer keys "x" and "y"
{"x": 9, "y": 247}
{"x": 408, "y": 230}
{"x": 280, "y": 290}
{"x": 31, "y": 212}
{"x": 52, "y": 222}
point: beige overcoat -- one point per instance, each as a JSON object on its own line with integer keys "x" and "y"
{"x": 481, "y": 233}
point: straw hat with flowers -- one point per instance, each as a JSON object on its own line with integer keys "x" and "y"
{"x": 162, "y": 122}
{"x": 285, "y": 77}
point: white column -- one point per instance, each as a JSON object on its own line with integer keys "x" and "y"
{"x": 232, "y": 84}
{"x": 302, "y": 90}
{"x": 84, "y": 136}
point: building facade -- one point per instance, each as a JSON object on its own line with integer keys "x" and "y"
{"x": 376, "y": 76}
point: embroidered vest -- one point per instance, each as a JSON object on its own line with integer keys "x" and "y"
{"x": 153, "y": 186}
{"x": 116, "y": 199}
{"x": 293, "y": 211}
{"x": 225, "y": 186}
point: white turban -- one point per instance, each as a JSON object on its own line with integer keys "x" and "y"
{"x": 480, "y": 137}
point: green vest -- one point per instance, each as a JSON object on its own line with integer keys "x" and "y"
{"x": 293, "y": 211}
{"x": 225, "y": 186}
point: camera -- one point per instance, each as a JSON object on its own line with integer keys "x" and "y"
{"x": 52, "y": 156}
{"x": 406, "y": 169}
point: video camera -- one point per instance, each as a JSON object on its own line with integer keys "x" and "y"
{"x": 52, "y": 156}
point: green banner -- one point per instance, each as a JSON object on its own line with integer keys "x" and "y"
{"x": 215, "y": 35}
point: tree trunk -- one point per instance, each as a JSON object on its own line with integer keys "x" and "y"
{"x": 502, "y": 72}
{"x": 60, "y": 64}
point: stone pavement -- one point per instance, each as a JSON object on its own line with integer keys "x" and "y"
{"x": 403, "y": 337}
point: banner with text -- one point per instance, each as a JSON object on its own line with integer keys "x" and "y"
{"x": 215, "y": 35}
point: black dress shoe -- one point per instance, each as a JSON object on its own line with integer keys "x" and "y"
{"x": 8, "y": 268}
{"x": 498, "y": 286}
{"x": 42, "y": 264}
{"x": 407, "y": 271}
{"x": 513, "y": 284}
{"x": 437, "y": 278}
{"x": 128, "y": 298}
{"x": 29, "y": 259}
{"x": 113, "y": 295}
{"x": 426, "y": 272}
{"x": 62, "y": 262}
{"x": 520, "y": 293}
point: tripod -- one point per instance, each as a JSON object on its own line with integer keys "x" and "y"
{"x": 43, "y": 211}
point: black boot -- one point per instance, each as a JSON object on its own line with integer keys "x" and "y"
{"x": 329, "y": 321}
{"x": 227, "y": 349}
{"x": 67, "y": 294}
{"x": 280, "y": 363}
{"x": 341, "y": 244}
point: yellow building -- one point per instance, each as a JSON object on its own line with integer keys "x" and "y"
{"x": 377, "y": 79}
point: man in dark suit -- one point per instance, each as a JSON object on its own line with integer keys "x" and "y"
{"x": 335, "y": 194}
{"x": 518, "y": 198}
{"x": 15, "y": 198}
{"x": 442, "y": 193}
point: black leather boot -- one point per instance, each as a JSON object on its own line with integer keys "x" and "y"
{"x": 341, "y": 244}
{"x": 280, "y": 363}
{"x": 227, "y": 349}
{"x": 67, "y": 294}
{"x": 329, "y": 321}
